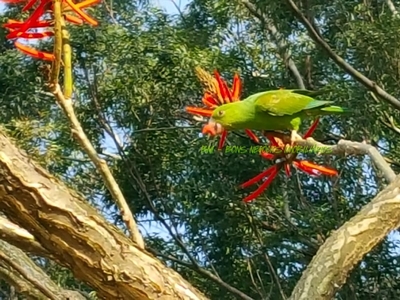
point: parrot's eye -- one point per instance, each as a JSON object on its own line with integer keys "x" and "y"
{"x": 221, "y": 113}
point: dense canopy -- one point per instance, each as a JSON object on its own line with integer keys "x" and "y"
{"x": 133, "y": 75}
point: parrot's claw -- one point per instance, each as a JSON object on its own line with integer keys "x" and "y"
{"x": 294, "y": 137}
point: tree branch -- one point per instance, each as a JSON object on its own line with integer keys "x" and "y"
{"x": 279, "y": 40}
{"x": 346, "y": 246}
{"x": 132, "y": 169}
{"x": 392, "y": 8}
{"x": 97, "y": 252}
{"x": 369, "y": 84}
{"x": 101, "y": 165}
{"x": 20, "y": 238}
{"x": 20, "y": 271}
{"x": 345, "y": 147}
{"x": 238, "y": 294}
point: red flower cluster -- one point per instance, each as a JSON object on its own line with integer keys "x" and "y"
{"x": 281, "y": 143}
{"x": 224, "y": 95}
{"x": 42, "y": 18}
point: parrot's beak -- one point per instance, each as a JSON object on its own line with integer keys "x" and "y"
{"x": 212, "y": 128}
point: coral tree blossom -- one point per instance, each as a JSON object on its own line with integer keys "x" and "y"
{"x": 281, "y": 142}
{"x": 221, "y": 95}
{"x": 42, "y": 18}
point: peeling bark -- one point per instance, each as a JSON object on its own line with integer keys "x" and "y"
{"x": 20, "y": 238}
{"x": 78, "y": 237}
{"x": 18, "y": 270}
{"x": 346, "y": 246}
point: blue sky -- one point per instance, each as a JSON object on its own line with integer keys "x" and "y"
{"x": 169, "y": 4}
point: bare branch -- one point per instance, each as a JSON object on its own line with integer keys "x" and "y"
{"x": 369, "y": 84}
{"x": 205, "y": 273}
{"x": 346, "y": 246}
{"x": 101, "y": 165}
{"x": 391, "y": 123}
{"x": 345, "y": 147}
{"x": 392, "y": 8}
{"x": 274, "y": 275}
{"x": 279, "y": 40}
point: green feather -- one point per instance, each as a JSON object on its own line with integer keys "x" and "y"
{"x": 273, "y": 110}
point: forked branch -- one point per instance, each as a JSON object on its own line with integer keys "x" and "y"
{"x": 345, "y": 147}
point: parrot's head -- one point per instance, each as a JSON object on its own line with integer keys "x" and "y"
{"x": 222, "y": 118}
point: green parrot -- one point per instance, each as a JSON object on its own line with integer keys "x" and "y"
{"x": 276, "y": 110}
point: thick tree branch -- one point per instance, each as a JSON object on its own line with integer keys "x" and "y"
{"x": 97, "y": 252}
{"x": 20, "y": 238}
{"x": 101, "y": 165}
{"x": 345, "y": 147}
{"x": 346, "y": 246}
{"x": 279, "y": 40}
{"x": 369, "y": 84}
{"x": 20, "y": 271}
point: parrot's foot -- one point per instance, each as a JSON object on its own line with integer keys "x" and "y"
{"x": 294, "y": 136}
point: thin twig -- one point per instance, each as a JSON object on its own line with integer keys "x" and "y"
{"x": 369, "y": 84}
{"x": 65, "y": 102}
{"x": 110, "y": 11}
{"x": 279, "y": 40}
{"x": 256, "y": 288}
{"x": 133, "y": 170}
{"x": 179, "y": 10}
{"x": 205, "y": 273}
{"x": 390, "y": 123}
{"x": 131, "y": 167}
{"x": 265, "y": 254}
{"x": 101, "y": 165}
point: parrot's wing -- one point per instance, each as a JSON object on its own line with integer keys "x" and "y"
{"x": 286, "y": 102}
{"x": 310, "y": 93}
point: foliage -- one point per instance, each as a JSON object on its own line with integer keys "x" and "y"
{"x": 135, "y": 72}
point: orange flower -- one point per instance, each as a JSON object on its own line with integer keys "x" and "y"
{"x": 280, "y": 142}
{"x": 222, "y": 96}
{"x": 19, "y": 29}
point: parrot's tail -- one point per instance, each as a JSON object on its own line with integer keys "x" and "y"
{"x": 335, "y": 110}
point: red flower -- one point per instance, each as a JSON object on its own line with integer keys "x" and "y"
{"x": 19, "y": 29}
{"x": 222, "y": 96}
{"x": 280, "y": 143}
